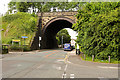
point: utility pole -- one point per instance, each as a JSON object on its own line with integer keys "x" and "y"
{"x": 39, "y": 29}
{"x": 62, "y": 41}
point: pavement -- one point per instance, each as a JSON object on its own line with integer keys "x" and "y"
{"x": 55, "y": 63}
{"x": 88, "y": 69}
{"x": 77, "y": 60}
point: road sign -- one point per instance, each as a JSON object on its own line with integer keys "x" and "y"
{"x": 24, "y": 37}
{"x": 16, "y": 40}
{"x": 39, "y": 38}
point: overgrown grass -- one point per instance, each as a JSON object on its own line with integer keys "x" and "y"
{"x": 19, "y": 48}
{"x": 16, "y": 25}
{"x": 88, "y": 58}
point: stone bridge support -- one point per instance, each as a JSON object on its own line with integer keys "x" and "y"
{"x": 49, "y": 24}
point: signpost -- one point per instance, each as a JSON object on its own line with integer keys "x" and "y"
{"x": 62, "y": 41}
{"x": 15, "y": 40}
{"x": 24, "y": 39}
{"x": 39, "y": 41}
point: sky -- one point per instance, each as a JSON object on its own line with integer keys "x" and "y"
{"x": 4, "y": 8}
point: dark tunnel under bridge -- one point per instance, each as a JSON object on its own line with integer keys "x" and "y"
{"x": 51, "y": 29}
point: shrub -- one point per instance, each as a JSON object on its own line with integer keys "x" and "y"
{"x": 26, "y": 48}
{"x": 16, "y": 47}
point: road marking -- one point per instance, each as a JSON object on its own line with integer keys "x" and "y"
{"x": 19, "y": 65}
{"x": 60, "y": 60}
{"x": 100, "y": 77}
{"x": 107, "y": 67}
{"x": 63, "y": 75}
{"x": 69, "y": 62}
{"x": 40, "y": 66}
{"x": 66, "y": 58}
{"x": 65, "y": 67}
{"x": 49, "y": 54}
{"x": 58, "y": 68}
{"x": 72, "y": 76}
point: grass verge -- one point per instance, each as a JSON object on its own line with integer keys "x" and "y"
{"x": 88, "y": 58}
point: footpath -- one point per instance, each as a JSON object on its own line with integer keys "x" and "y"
{"x": 75, "y": 59}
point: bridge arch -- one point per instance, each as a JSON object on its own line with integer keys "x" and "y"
{"x": 50, "y": 30}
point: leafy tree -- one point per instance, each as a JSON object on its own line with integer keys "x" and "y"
{"x": 12, "y": 6}
{"x": 98, "y": 27}
{"x": 22, "y": 6}
{"x": 66, "y": 36}
{"x": 44, "y": 6}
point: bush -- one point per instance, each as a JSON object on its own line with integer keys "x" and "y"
{"x": 20, "y": 48}
{"x": 16, "y": 48}
{"x": 26, "y": 48}
{"x": 98, "y": 27}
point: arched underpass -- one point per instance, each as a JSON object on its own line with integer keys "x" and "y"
{"x": 51, "y": 29}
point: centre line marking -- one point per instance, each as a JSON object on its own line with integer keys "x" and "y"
{"x": 49, "y": 54}
{"x": 65, "y": 67}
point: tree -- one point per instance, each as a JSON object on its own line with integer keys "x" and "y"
{"x": 66, "y": 36}
{"x": 12, "y": 6}
{"x": 22, "y": 6}
{"x": 44, "y": 6}
{"x": 98, "y": 27}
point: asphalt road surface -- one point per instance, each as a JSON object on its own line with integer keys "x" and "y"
{"x": 54, "y": 64}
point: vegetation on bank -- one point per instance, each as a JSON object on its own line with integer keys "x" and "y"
{"x": 98, "y": 27}
{"x": 89, "y": 58}
{"x": 17, "y": 25}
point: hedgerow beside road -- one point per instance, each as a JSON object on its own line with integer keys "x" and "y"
{"x": 98, "y": 27}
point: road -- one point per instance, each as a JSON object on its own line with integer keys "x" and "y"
{"x": 54, "y": 64}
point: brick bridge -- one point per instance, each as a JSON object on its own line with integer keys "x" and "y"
{"x": 49, "y": 24}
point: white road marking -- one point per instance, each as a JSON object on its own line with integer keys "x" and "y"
{"x": 63, "y": 75}
{"x": 19, "y": 65}
{"x": 72, "y": 76}
{"x": 65, "y": 67}
{"x": 107, "y": 67}
{"x": 59, "y": 68}
{"x": 100, "y": 77}
{"x": 40, "y": 66}
{"x": 60, "y": 60}
{"x": 69, "y": 62}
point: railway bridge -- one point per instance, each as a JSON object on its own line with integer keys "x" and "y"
{"x": 49, "y": 24}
